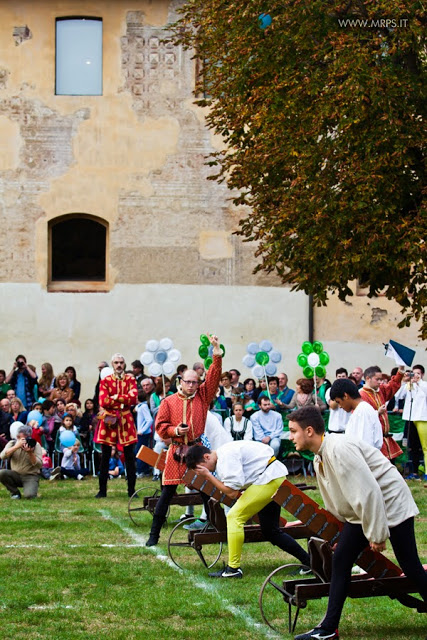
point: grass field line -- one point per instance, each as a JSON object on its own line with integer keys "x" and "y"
{"x": 208, "y": 587}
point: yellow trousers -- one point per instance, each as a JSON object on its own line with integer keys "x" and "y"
{"x": 422, "y": 433}
{"x": 250, "y": 502}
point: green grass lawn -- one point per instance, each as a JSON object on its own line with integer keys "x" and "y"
{"x": 74, "y": 567}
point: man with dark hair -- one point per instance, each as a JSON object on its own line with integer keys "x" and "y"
{"x": 341, "y": 372}
{"x": 377, "y": 394}
{"x": 138, "y": 372}
{"x": 267, "y": 425}
{"x": 338, "y": 418}
{"x": 22, "y": 380}
{"x": 250, "y": 467}
{"x": 360, "y": 487}
{"x": 363, "y": 423}
{"x": 25, "y": 460}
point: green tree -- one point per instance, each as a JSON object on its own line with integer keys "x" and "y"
{"x": 325, "y": 124}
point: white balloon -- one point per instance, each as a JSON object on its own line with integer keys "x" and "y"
{"x": 252, "y": 348}
{"x": 155, "y": 369}
{"x": 14, "y": 429}
{"x": 106, "y": 371}
{"x": 146, "y": 358}
{"x": 265, "y": 345}
{"x": 152, "y": 345}
{"x": 275, "y": 356}
{"x": 166, "y": 344}
{"x": 258, "y": 371}
{"x": 313, "y": 359}
{"x": 174, "y": 355}
{"x": 168, "y": 368}
{"x": 270, "y": 369}
{"x": 249, "y": 361}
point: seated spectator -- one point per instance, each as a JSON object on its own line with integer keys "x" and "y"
{"x": 46, "y": 470}
{"x": 70, "y": 464}
{"x": 115, "y": 465}
{"x": 323, "y": 384}
{"x": 5, "y": 422}
{"x": 73, "y": 410}
{"x": 36, "y": 430}
{"x": 363, "y": 423}
{"x": 262, "y": 386}
{"x": 22, "y": 380}
{"x": 304, "y": 396}
{"x": 238, "y": 390}
{"x": 46, "y": 381}
{"x": 62, "y": 389}
{"x": 74, "y": 384}
{"x": 10, "y": 394}
{"x": 338, "y": 418}
{"x": 67, "y": 425}
{"x": 25, "y": 460}
{"x": 274, "y": 394}
{"x": 287, "y": 394}
{"x": 159, "y": 393}
{"x": 219, "y": 406}
{"x": 267, "y": 425}
{"x": 249, "y": 402}
{"x": 17, "y": 411}
{"x": 88, "y": 422}
{"x": 60, "y": 410}
{"x": 226, "y": 388}
{"x": 144, "y": 430}
{"x": 138, "y": 372}
{"x": 239, "y": 427}
{"x": 4, "y": 387}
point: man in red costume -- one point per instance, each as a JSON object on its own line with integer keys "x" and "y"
{"x": 181, "y": 421}
{"x": 117, "y": 394}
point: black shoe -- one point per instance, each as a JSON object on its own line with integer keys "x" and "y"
{"x": 227, "y": 572}
{"x": 317, "y": 634}
{"x": 101, "y": 495}
{"x": 152, "y": 541}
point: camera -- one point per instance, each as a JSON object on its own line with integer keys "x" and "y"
{"x": 31, "y": 442}
{"x": 410, "y": 374}
{"x": 21, "y": 364}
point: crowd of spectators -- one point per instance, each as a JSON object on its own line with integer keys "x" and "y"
{"x": 250, "y": 409}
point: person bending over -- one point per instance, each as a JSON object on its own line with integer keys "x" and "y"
{"x": 361, "y": 488}
{"x": 250, "y": 467}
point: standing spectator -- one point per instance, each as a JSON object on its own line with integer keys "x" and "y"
{"x": 25, "y": 461}
{"x": 267, "y": 425}
{"x": 147, "y": 386}
{"x": 199, "y": 368}
{"x": 177, "y": 376}
{"x": 46, "y": 380}
{"x": 62, "y": 389}
{"x": 50, "y": 426}
{"x": 226, "y": 388}
{"x": 414, "y": 393}
{"x": 338, "y": 418}
{"x": 117, "y": 394}
{"x": 74, "y": 383}
{"x": 4, "y": 387}
{"x": 364, "y": 423}
{"x": 22, "y": 380}
{"x": 249, "y": 402}
{"x": 144, "y": 430}
{"x": 88, "y": 423}
{"x": 138, "y": 372}
{"x": 304, "y": 396}
{"x": 159, "y": 393}
{"x": 101, "y": 366}
{"x": 357, "y": 374}
{"x": 17, "y": 411}
{"x": 239, "y": 427}
{"x": 10, "y": 394}
{"x": 287, "y": 393}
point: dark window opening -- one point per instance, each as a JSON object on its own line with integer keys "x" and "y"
{"x": 78, "y": 250}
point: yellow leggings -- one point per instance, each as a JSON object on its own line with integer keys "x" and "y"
{"x": 422, "y": 433}
{"x": 250, "y": 502}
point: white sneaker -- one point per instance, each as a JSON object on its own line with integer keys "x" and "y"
{"x": 80, "y": 477}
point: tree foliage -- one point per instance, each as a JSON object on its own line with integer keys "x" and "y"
{"x": 325, "y": 126}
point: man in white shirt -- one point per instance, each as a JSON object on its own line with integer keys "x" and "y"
{"x": 364, "y": 423}
{"x": 366, "y": 492}
{"x": 252, "y": 468}
{"x": 267, "y": 425}
{"x": 338, "y": 418}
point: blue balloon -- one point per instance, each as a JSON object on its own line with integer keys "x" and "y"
{"x": 67, "y": 438}
{"x": 264, "y": 20}
{"x": 35, "y": 415}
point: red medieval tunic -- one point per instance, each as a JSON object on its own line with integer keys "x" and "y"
{"x": 171, "y": 414}
{"x": 385, "y": 393}
{"x": 123, "y": 432}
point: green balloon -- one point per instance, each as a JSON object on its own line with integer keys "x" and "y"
{"x": 204, "y": 340}
{"x": 203, "y": 351}
{"x": 221, "y": 346}
{"x": 207, "y": 362}
{"x": 302, "y": 360}
{"x": 308, "y": 372}
{"x": 317, "y": 347}
{"x": 324, "y": 358}
{"x": 262, "y": 358}
{"x": 307, "y": 348}
{"x": 320, "y": 371}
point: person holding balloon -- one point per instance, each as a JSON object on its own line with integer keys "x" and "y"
{"x": 24, "y": 455}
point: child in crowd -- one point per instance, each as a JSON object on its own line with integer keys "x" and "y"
{"x": 70, "y": 464}
{"x": 115, "y": 466}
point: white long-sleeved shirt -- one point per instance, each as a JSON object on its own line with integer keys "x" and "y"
{"x": 338, "y": 418}
{"x": 243, "y": 462}
{"x": 359, "y": 485}
{"x": 144, "y": 419}
{"x": 365, "y": 425}
{"x": 268, "y": 423}
{"x": 417, "y": 392}
{"x": 238, "y": 426}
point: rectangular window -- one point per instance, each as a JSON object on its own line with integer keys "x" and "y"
{"x": 78, "y": 56}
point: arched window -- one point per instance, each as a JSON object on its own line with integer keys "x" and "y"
{"x": 78, "y": 253}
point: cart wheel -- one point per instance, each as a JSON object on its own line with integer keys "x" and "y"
{"x": 137, "y": 506}
{"x": 273, "y": 597}
{"x": 181, "y": 547}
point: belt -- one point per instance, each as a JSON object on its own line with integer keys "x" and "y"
{"x": 189, "y": 444}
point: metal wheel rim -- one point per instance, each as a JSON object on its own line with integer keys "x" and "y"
{"x": 171, "y": 544}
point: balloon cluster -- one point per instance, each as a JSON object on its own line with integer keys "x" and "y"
{"x": 160, "y": 357}
{"x": 264, "y": 20}
{"x": 313, "y": 359}
{"x": 262, "y": 358}
{"x": 206, "y": 349}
